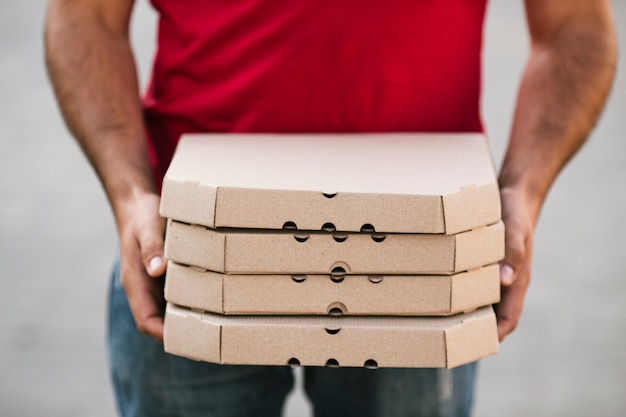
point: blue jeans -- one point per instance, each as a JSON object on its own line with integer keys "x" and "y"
{"x": 151, "y": 383}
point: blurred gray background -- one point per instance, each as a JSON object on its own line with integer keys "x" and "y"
{"x": 567, "y": 358}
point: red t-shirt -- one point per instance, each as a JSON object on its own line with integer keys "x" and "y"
{"x": 313, "y": 66}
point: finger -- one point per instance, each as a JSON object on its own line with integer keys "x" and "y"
{"x": 509, "y": 309}
{"x": 507, "y": 274}
{"x": 144, "y": 293}
{"x": 515, "y": 252}
{"x": 150, "y": 236}
{"x": 149, "y": 309}
{"x": 148, "y": 319}
{"x": 156, "y": 265}
{"x": 145, "y": 297}
{"x": 151, "y": 247}
{"x": 506, "y": 313}
{"x": 154, "y": 327}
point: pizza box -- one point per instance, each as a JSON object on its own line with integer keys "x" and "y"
{"x": 387, "y": 182}
{"x": 391, "y": 295}
{"x": 373, "y": 341}
{"x": 248, "y": 251}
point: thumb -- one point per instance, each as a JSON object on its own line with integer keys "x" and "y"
{"x": 515, "y": 252}
{"x": 151, "y": 237}
{"x": 507, "y": 274}
{"x": 151, "y": 246}
{"x": 155, "y": 266}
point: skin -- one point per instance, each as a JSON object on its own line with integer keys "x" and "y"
{"x": 92, "y": 69}
{"x": 564, "y": 87}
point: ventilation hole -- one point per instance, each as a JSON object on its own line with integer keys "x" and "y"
{"x": 340, "y": 237}
{"x": 290, "y": 226}
{"x": 332, "y": 363}
{"x": 339, "y": 269}
{"x": 337, "y": 278}
{"x": 301, "y": 237}
{"x": 375, "y": 279}
{"x": 328, "y": 227}
{"x": 367, "y": 228}
{"x": 298, "y": 278}
{"x": 329, "y": 195}
{"x": 293, "y": 362}
{"x": 335, "y": 312}
{"x": 338, "y": 272}
{"x": 371, "y": 364}
{"x": 336, "y": 309}
{"x": 378, "y": 237}
{"x": 332, "y": 331}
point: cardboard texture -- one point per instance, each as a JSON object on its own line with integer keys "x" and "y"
{"x": 415, "y": 342}
{"x": 239, "y": 251}
{"x": 408, "y": 295}
{"x": 395, "y": 182}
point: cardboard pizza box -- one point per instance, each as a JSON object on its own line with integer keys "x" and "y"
{"x": 392, "y": 182}
{"x": 406, "y": 342}
{"x": 245, "y": 251}
{"x": 390, "y": 295}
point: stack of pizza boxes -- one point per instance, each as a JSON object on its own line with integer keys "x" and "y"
{"x": 361, "y": 250}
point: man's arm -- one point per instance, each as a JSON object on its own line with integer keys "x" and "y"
{"x": 563, "y": 90}
{"x": 92, "y": 69}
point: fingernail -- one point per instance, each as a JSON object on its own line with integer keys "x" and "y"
{"x": 506, "y": 274}
{"x": 155, "y": 263}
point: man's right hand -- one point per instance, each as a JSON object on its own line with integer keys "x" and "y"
{"x": 141, "y": 232}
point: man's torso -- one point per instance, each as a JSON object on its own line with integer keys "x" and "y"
{"x": 313, "y": 66}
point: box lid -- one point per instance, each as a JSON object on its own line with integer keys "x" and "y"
{"x": 393, "y": 182}
{"x": 244, "y": 251}
{"x": 403, "y": 295}
{"x": 407, "y": 342}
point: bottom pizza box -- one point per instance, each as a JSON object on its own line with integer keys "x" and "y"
{"x": 372, "y": 341}
{"x": 393, "y": 295}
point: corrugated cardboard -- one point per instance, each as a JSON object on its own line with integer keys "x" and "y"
{"x": 414, "y": 342}
{"x": 397, "y": 183}
{"x": 403, "y": 295}
{"x": 239, "y": 251}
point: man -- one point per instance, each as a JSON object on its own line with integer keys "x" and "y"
{"x": 308, "y": 66}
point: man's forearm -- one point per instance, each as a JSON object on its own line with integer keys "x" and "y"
{"x": 563, "y": 89}
{"x": 93, "y": 73}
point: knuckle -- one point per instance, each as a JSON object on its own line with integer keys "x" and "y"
{"x": 150, "y": 243}
{"x": 141, "y": 327}
{"x": 512, "y": 325}
{"x": 516, "y": 254}
{"x": 509, "y": 324}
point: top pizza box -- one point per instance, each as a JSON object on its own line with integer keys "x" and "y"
{"x": 391, "y": 182}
